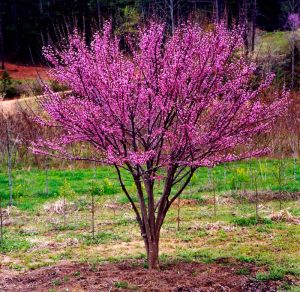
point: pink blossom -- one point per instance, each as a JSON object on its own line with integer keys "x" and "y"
{"x": 171, "y": 105}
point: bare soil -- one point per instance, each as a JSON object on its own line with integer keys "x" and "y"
{"x": 25, "y": 72}
{"x": 132, "y": 276}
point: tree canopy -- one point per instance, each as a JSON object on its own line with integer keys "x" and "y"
{"x": 166, "y": 106}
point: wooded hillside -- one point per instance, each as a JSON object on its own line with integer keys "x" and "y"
{"x": 25, "y": 25}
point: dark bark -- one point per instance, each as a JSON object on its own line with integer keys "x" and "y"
{"x": 41, "y": 6}
{"x": 1, "y": 37}
{"x": 14, "y": 10}
{"x": 153, "y": 254}
{"x": 243, "y": 16}
{"x": 253, "y": 32}
{"x": 172, "y": 20}
{"x": 219, "y": 10}
{"x": 151, "y": 215}
{"x": 99, "y": 13}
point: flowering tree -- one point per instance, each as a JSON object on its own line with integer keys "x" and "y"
{"x": 161, "y": 109}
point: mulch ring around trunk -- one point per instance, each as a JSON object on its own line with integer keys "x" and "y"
{"x": 132, "y": 276}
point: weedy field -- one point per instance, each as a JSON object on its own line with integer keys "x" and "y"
{"x": 219, "y": 224}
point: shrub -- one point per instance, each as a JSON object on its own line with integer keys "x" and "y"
{"x": 249, "y": 221}
{"x": 7, "y": 86}
{"x": 109, "y": 188}
{"x": 57, "y": 87}
{"x": 97, "y": 190}
{"x": 36, "y": 87}
{"x": 65, "y": 191}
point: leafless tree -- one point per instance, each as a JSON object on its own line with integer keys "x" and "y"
{"x": 254, "y": 182}
{"x": 213, "y": 186}
{"x": 280, "y": 176}
{"x": 292, "y": 8}
{"x": 17, "y": 130}
{"x": 8, "y": 142}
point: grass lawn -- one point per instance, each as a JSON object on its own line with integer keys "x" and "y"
{"x": 29, "y": 185}
{"x": 37, "y": 237}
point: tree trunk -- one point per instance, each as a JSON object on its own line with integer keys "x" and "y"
{"x": 14, "y": 10}
{"x": 219, "y": 10}
{"x": 10, "y": 182}
{"x": 47, "y": 176}
{"x": 280, "y": 201}
{"x": 253, "y": 33}
{"x": 64, "y": 212}
{"x": 293, "y": 60}
{"x": 151, "y": 214}
{"x": 93, "y": 216}
{"x": 1, "y": 38}
{"x": 9, "y": 163}
{"x": 41, "y": 6}
{"x": 244, "y": 22}
{"x": 215, "y": 203}
{"x": 178, "y": 213}
{"x": 256, "y": 203}
{"x": 1, "y": 221}
{"x": 99, "y": 13}
{"x": 152, "y": 254}
{"x": 171, "y": 6}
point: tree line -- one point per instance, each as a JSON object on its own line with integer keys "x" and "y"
{"x": 26, "y": 25}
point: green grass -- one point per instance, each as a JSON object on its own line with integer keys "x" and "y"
{"x": 248, "y": 221}
{"x": 100, "y": 237}
{"x": 14, "y": 243}
{"x": 121, "y": 285}
{"x": 29, "y": 186}
{"x": 274, "y": 42}
{"x": 37, "y": 239}
{"x": 243, "y": 271}
{"x": 275, "y": 273}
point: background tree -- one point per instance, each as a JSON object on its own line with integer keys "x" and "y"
{"x": 16, "y": 131}
{"x": 1, "y": 35}
{"x": 8, "y": 143}
{"x": 96, "y": 190}
{"x": 29, "y": 24}
{"x": 65, "y": 193}
{"x": 279, "y": 173}
{"x": 163, "y": 111}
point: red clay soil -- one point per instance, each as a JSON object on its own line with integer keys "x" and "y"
{"x": 25, "y": 72}
{"x": 131, "y": 276}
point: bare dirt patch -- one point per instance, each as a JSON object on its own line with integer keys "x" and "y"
{"x": 132, "y": 276}
{"x": 268, "y": 196}
{"x": 25, "y": 72}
